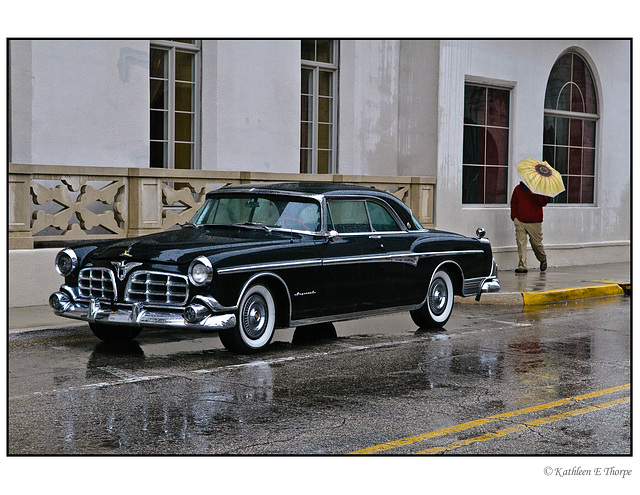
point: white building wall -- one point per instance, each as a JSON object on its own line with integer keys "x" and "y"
{"x": 368, "y": 108}
{"x": 258, "y": 106}
{"x": 89, "y": 102}
{"x": 573, "y": 234}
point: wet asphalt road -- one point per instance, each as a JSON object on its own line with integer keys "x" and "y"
{"x": 496, "y": 380}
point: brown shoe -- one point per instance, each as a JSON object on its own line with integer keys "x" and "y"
{"x": 543, "y": 266}
{"x": 521, "y": 270}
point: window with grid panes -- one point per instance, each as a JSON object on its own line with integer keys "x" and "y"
{"x": 570, "y": 118}
{"x": 485, "y": 145}
{"x": 173, "y": 84}
{"x": 318, "y": 106}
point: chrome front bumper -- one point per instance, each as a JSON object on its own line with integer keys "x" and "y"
{"x": 491, "y": 283}
{"x": 65, "y": 304}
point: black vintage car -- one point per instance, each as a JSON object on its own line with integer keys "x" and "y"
{"x": 258, "y": 257}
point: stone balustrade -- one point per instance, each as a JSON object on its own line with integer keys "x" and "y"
{"x": 50, "y": 205}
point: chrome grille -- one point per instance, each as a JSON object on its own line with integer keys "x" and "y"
{"x": 97, "y": 282}
{"x": 157, "y": 288}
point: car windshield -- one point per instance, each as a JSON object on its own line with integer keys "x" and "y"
{"x": 261, "y": 211}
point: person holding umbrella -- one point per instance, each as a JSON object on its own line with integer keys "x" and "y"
{"x": 539, "y": 181}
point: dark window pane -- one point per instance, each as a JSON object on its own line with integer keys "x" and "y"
{"x": 306, "y": 136}
{"x": 497, "y": 146}
{"x": 184, "y": 97}
{"x": 472, "y": 185}
{"x": 562, "y": 131}
{"x": 575, "y": 132}
{"x": 158, "y": 125}
{"x": 575, "y": 161}
{"x": 158, "y": 63}
{"x": 548, "y": 155}
{"x": 324, "y": 109}
{"x": 573, "y": 185}
{"x": 305, "y": 161}
{"x": 588, "y": 161}
{"x": 587, "y": 189}
{"x": 308, "y": 49}
{"x": 498, "y": 107}
{"x": 589, "y": 133}
{"x": 577, "y": 100}
{"x": 326, "y": 83}
{"x": 474, "y": 105}
{"x": 324, "y": 136}
{"x": 589, "y": 91}
{"x": 184, "y": 127}
{"x": 184, "y": 67}
{"x": 560, "y": 74}
{"x": 562, "y": 197}
{"x": 158, "y": 155}
{"x": 183, "y": 156}
{"x": 325, "y": 51}
{"x": 496, "y": 185}
{"x": 578, "y": 74}
{"x": 473, "y": 145}
{"x": 324, "y": 162}
{"x": 307, "y": 108}
{"x": 307, "y": 81}
{"x": 561, "y": 163}
{"x": 564, "y": 99}
{"x": 158, "y": 91}
{"x": 549, "y": 135}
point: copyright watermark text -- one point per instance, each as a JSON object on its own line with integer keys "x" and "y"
{"x": 561, "y": 472}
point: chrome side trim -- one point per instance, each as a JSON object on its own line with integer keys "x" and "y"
{"x": 407, "y": 257}
{"x": 270, "y": 266}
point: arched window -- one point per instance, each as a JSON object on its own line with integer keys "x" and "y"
{"x": 570, "y": 118}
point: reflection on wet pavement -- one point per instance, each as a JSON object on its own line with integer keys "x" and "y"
{"x": 181, "y": 395}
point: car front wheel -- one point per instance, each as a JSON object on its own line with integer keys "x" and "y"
{"x": 114, "y": 333}
{"x": 439, "y": 303}
{"x": 256, "y": 322}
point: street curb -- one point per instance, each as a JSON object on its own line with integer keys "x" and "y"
{"x": 560, "y": 295}
{"x": 549, "y": 296}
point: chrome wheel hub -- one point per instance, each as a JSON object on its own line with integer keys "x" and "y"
{"x": 255, "y": 316}
{"x": 438, "y": 296}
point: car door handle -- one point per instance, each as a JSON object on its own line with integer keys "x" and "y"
{"x": 375, "y": 237}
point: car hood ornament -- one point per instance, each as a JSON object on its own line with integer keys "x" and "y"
{"x": 122, "y": 268}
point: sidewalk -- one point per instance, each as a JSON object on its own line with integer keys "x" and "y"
{"x": 535, "y": 287}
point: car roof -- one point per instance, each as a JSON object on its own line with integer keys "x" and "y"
{"x": 326, "y": 189}
{"x": 308, "y": 188}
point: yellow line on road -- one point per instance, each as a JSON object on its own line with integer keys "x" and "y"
{"x": 524, "y": 426}
{"x": 483, "y": 421}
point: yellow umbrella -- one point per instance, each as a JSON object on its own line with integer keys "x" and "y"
{"x": 540, "y": 177}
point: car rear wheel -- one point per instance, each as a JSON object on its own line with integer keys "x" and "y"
{"x": 256, "y": 322}
{"x": 114, "y": 333}
{"x": 439, "y": 303}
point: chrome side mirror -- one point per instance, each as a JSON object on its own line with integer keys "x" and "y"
{"x": 480, "y": 233}
{"x": 333, "y": 236}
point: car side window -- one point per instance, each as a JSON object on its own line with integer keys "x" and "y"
{"x": 348, "y": 217}
{"x": 381, "y": 219}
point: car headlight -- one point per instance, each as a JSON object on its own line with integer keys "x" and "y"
{"x": 200, "y": 271}
{"x": 66, "y": 262}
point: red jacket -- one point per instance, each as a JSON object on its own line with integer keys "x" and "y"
{"x": 527, "y": 206}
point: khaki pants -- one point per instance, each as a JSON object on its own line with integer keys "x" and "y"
{"x": 534, "y": 231}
